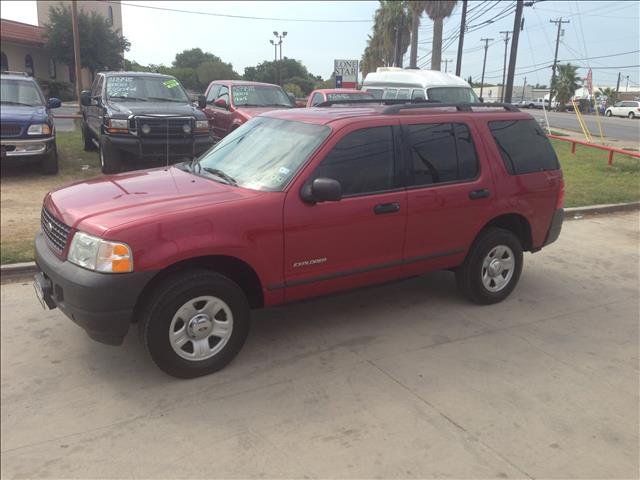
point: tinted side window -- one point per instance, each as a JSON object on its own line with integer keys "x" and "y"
{"x": 362, "y": 161}
{"x": 389, "y": 93}
{"x": 403, "y": 94}
{"x": 441, "y": 152}
{"x": 524, "y": 146}
{"x": 417, "y": 93}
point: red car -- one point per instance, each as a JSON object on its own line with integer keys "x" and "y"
{"x": 230, "y": 103}
{"x": 295, "y": 204}
{"x": 324, "y": 94}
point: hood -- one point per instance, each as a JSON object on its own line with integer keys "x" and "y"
{"x": 250, "y": 112}
{"x": 96, "y": 205}
{"x": 154, "y": 108}
{"x": 15, "y": 113}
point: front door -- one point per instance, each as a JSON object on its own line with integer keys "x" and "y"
{"x": 332, "y": 246}
{"x": 94, "y": 111}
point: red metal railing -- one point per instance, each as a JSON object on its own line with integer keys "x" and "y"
{"x": 611, "y": 150}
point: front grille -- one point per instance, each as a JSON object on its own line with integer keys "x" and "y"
{"x": 10, "y": 130}
{"x": 57, "y": 233}
{"x": 159, "y": 127}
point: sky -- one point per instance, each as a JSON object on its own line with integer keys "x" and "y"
{"x": 601, "y": 35}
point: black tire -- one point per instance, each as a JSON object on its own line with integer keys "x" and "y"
{"x": 49, "y": 164}
{"x": 607, "y": 113}
{"x": 531, "y": 105}
{"x": 469, "y": 276}
{"x": 174, "y": 293}
{"x": 631, "y": 115}
{"x": 87, "y": 139}
{"x": 110, "y": 161}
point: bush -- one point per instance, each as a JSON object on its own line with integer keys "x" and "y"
{"x": 58, "y": 89}
{"x": 293, "y": 88}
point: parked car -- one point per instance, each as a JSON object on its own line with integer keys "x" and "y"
{"x": 27, "y": 132}
{"x": 230, "y": 103}
{"x": 398, "y": 83}
{"x": 141, "y": 116}
{"x": 295, "y": 204}
{"x": 538, "y": 103}
{"x": 325, "y": 94}
{"x": 626, "y": 108}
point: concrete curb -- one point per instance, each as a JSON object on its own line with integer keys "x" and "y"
{"x": 19, "y": 271}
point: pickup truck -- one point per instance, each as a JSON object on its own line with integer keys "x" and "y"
{"x": 141, "y": 116}
{"x": 537, "y": 103}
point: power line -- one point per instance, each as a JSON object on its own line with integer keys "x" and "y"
{"x": 244, "y": 17}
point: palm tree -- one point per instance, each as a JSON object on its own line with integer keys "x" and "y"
{"x": 438, "y": 10}
{"x": 416, "y": 7}
{"x": 608, "y": 92}
{"x": 564, "y": 84}
{"x": 391, "y": 17}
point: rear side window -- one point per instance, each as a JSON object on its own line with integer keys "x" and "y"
{"x": 362, "y": 161}
{"x": 524, "y": 146}
{"x": 441, "y": 152}
{"x": 389, "y": 93}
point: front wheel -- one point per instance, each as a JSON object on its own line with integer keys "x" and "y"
{"x": 87, "y": 139}
{"x": 109, "y": 158}
{"x": 607, "y": 113}
{"x": 195, "y": 323}
{"x": 492, "y": 268}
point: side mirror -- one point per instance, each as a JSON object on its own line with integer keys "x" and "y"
{"x": 322, "y": 190}
{"x": 222, "y": 103}
{"x": 85, "y": 98}
{"x": 54, "y": 103}
{"x": 202, "y": 101}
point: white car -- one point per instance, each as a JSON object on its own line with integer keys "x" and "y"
{"x": 627, "y": 108}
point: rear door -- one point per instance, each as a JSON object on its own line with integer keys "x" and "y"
{"x": 333, "y": 246}
{"x": 450, "y": 193}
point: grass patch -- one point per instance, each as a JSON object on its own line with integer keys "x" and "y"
{"x": 559, "y": 134}
{"x": 590, "y": 181}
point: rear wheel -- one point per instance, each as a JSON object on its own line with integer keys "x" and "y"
{"x": 631, "y": 115}
{"x": 110, "y": 161}
{"x": 492, "y": 268}
{"x": 49, "y": 165}
{"x": 607, "y": 113}
{"x": 195, "y": 323}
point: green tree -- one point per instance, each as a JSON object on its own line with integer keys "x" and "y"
{"x": 609, "y": 93}
{"x": 293, "y": 88}
{"x": 215, "y": 70}
{"x": 564, "y": 84}
{"x": 193, "y": 58}
{"x": 290, "y": 70}
{"x": 438, "y": 10}
{"x": 392, "y": 16}
{"x": 417, "y": 8}
{"x": 101, "y": 48}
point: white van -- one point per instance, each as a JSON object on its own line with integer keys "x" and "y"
{"x": 394, "y": 82}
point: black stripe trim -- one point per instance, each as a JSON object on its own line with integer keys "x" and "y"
{"x": 371, "y": 268}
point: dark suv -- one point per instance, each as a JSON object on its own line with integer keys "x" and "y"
{"x": 294, "y": 204}
{"x": 27, "y": 132}
{"x": 142, "y": 116}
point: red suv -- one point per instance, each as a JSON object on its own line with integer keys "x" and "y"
{"x": 295, "y": 204}
{"x": 230, "y": 103}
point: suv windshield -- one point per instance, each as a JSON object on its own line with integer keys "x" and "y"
{"x": 20, "y": 92}
{"x": 452, "y": 94}
{"x": 259, "y": 96}
{"x": 262, "y": 154}
{"x": 139, "y": 88}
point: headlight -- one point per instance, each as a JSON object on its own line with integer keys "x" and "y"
{"x": 39, "y": 129}
{"x": 93, "y": 253}
{"x": 118, "y": 126}
{"x": 202, "y": 125}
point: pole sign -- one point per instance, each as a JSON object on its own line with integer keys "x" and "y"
{"x": 348, "y": 70}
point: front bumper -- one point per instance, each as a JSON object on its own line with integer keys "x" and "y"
{"x": 101, "y": 303}
{"x": 157, "y": 147}
{"x": 25, "y": 147}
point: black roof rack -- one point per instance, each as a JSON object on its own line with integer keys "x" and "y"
{"x": 395, "y": 105}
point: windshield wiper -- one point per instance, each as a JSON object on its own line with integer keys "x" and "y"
{"x": 122, "y": 97}
{"x": 219, "y": 173}
{"x": 163, "y": 99}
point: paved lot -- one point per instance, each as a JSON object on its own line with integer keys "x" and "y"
{"x": 405, "y": 380}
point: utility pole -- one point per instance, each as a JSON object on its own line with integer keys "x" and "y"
{"x": 398, "y": 44}
{"x": 517, "y": 26}
{"x": 446, "y": 64}
{"x": 76, "y": 51}
{"x": 484, "y": 62}
{"x": 504, "y": 65}
{"x": 524, "y": 86}
{"x": 618, "y": 85}
{"x": 275, "y": 50}
{"x": 558, "y": 22}
{"x": 279, "y": 42}
{"x": 463, "y": 27}
{"x": 627, "y": 88}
